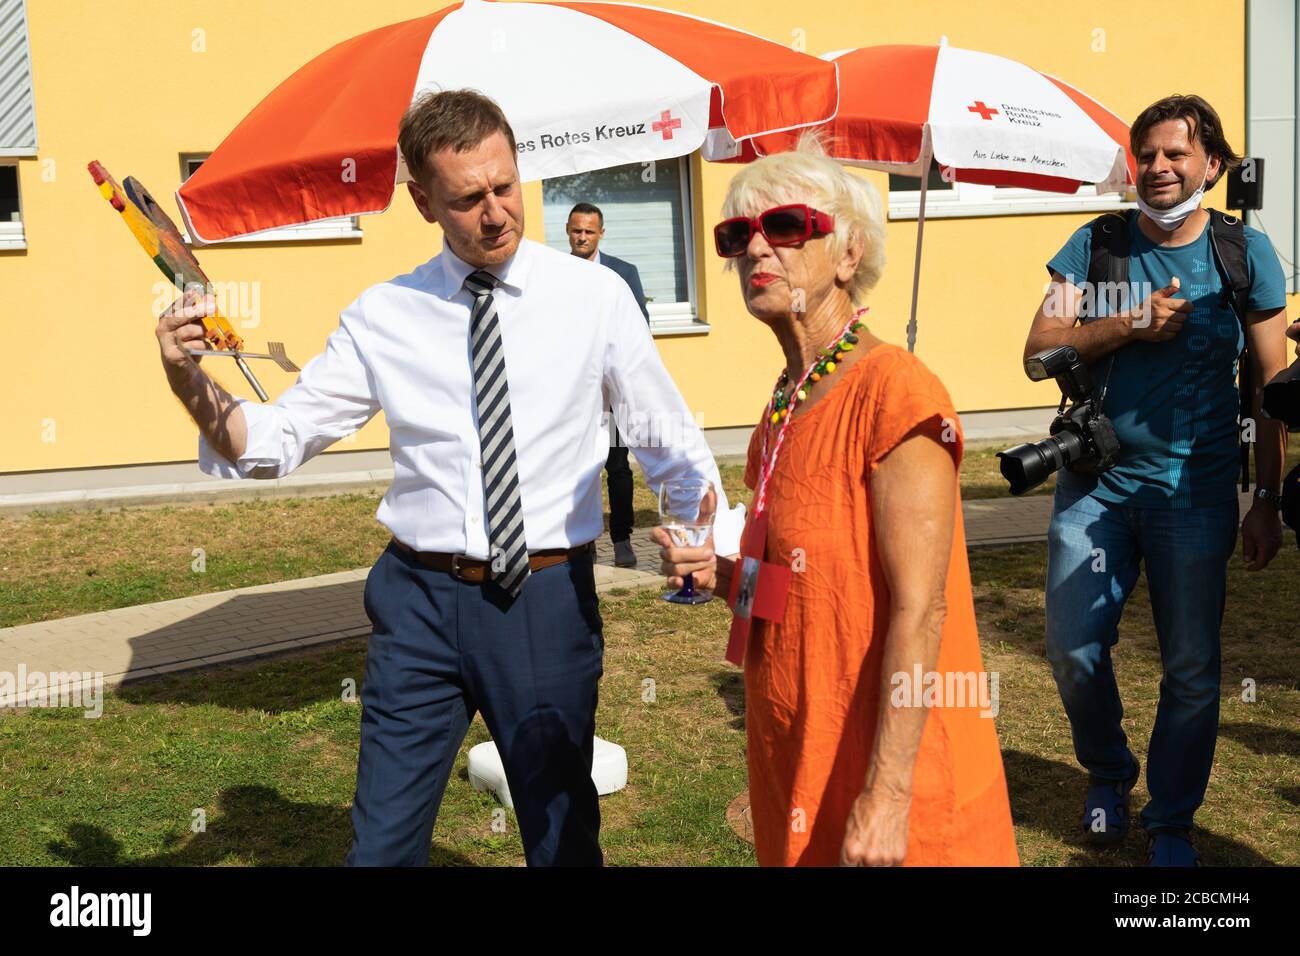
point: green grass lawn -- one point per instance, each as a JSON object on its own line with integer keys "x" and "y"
{"x": 62, "y": 563}
{"x": 267, "y": 749}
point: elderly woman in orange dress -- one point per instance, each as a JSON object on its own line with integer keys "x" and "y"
{"x": 859, "y": 751}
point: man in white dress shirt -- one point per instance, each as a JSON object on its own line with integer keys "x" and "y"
{"x": 497, "y": 350}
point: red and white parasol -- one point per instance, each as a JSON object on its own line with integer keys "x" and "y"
{"x": 983, "y": 118}
{"x": 654, "y": 85}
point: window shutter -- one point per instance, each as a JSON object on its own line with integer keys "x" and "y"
{"x": 17, "y": 103}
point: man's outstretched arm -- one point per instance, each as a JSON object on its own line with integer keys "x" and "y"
{"x": 335, "y": 395}
{"x": 1261, "y": 528}
{"x": 214, "y": 410}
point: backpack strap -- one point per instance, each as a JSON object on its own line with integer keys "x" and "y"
{"x": 1107, "y": 269}
{"x": 1108, "y": 261}
{"x": 1228, "y": 245}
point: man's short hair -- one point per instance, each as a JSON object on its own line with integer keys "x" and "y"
{"x": 587, "y": 208}
{"x": 459, "y": 119}
{"x": 1203, "y": 124}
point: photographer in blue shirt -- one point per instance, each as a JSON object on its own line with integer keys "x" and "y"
{"x": 1167, "y": 370}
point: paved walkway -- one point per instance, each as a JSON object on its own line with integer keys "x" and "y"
{"x": 1006, "y": 520}
{"x": 135, "y": 642}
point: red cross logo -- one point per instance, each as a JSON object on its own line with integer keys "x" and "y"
{"x": 985, "y": 112}
{"x": 666, "y": 125}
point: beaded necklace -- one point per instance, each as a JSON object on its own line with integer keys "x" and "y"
{"x": 783, "y": 404}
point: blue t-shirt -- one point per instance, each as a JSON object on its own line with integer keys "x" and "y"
{"x": 1174, "y": 403}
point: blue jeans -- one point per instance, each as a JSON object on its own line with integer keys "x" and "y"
{"x": 1094, "y": 552}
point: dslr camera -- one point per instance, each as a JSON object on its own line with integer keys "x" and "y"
{"x": 1081, "y": 438}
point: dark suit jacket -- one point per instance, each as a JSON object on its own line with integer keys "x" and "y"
{"x": 630, "y": 276}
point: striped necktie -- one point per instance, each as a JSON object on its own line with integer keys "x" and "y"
{"x": 507, "y": 545}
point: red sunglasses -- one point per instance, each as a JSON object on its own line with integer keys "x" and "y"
{"x": 780, "y": 226}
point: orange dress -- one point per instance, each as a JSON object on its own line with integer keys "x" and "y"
{"x": 812, "y": 682}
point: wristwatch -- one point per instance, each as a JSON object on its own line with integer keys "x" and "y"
{"x": 1272, "y": 497}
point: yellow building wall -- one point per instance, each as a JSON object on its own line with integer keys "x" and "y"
{"x": 84, "y": 387}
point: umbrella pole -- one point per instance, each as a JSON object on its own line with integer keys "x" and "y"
{"x": 920, "y": 231}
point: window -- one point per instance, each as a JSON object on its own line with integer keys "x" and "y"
{"x": 945, "y": 200}
{"x": 647, "y": 211}
{"x": 912, "y": 184}
{"x": 11, "y": 209}
{"x": 342, "y": 227}
{"x": 17, "y": 106}
{"x": 17, "y": 118}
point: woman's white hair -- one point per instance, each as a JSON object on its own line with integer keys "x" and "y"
{"x": 807, "y": 175}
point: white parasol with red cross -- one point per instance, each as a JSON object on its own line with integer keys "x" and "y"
{"x": 658, "y": 85}
{"x": 982, "y": 118}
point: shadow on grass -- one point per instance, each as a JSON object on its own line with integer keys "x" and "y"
{"x": 255, "y": 824}
{"x": 730, "y": 686}
{"x": 281, "y": 683}
{"x": 641, "y": 518}
{"x": 1047, "y": 796}
{"x": 1264, "y": 740}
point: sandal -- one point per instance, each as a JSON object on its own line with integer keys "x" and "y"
{"x": 1105, "y": 809}
{"x": 1171, "y": 848}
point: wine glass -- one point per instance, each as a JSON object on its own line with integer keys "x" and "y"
{"x": 686, "y": 510}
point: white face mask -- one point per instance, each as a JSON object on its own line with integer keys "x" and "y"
{"x": 1170, "y": 219}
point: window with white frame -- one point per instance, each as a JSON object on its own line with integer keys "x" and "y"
{"x": 647, "y": 213}
{"x": 946, "y": 200}
{"x": 17, "y": 118}
{"x": 341, "y": 227}
{"x": 11, "y": 208}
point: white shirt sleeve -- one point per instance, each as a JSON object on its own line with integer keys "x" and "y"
{"x": 334, "y": 396}
{"x": 653, "y": 418}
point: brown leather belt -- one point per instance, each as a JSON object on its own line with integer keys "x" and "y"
{"x": 474, "y": 570}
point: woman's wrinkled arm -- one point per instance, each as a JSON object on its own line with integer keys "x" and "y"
{"x": 914, "y": 499}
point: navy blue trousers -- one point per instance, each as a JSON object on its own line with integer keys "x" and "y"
{"x": 618, "y": 474}
{"x": 442, "y": 651}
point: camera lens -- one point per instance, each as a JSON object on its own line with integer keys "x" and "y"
{"x": 1027, "y": 466}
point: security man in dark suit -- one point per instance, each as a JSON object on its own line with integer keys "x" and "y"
{"x": 585, "y": 228}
